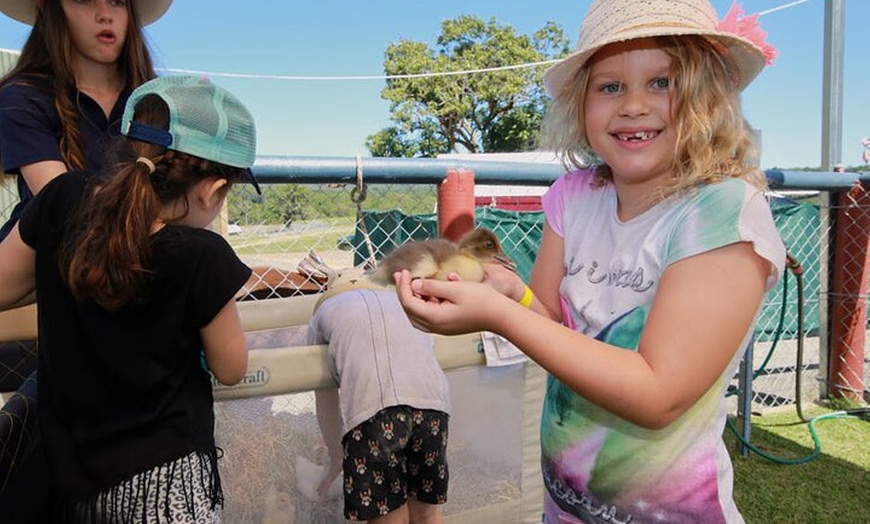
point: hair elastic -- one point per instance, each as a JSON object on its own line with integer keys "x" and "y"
{"x": 527, "y": 297}
{"x": 147, "y": 161}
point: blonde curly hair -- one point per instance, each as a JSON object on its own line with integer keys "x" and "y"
{"x": 714, "y": 140}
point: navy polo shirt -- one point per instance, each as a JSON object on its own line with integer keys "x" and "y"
{"x": 30, "y": 131}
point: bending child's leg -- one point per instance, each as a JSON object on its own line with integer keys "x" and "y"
{"x": 326, "y": 406}
{"x": 413, "y": 512}
{"x": 424, "y": 513}
{"x": 397, "y": 516}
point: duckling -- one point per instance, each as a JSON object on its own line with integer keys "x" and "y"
{"x": 484, "y": 245}
{"x": 437, "y": 257}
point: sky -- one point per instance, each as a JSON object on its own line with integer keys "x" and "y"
{"x": 294, "y": 64}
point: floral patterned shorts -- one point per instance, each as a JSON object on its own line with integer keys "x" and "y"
{"x": 400, "y": 452}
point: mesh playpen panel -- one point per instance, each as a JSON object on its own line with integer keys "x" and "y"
{"x": 273, "y": 450}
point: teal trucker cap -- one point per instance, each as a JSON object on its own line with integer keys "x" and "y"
{"x": 205, "y": 120}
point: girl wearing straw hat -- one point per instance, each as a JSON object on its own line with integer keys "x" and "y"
{"x": 657, "y": 251}
{"x": 62, "y": 101}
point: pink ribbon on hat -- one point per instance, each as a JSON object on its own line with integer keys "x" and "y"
{"x": 747, "y": 27}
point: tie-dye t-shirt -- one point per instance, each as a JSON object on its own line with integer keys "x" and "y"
{"x": 597, "y": 467}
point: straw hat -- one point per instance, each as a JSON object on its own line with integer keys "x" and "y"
{"x": 148, "y": 11}
{"x": 609, "y": 21}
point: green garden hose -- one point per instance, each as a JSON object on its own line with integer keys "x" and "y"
{"x": 795, "y": 268}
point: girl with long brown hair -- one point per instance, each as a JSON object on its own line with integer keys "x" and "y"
{"x": 62, "y": 101}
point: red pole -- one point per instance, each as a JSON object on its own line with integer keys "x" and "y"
{"x": 849, "y": 305}
{"x": 456, "y": 204}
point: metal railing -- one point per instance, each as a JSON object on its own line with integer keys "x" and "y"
{"x": 325, "y": 204}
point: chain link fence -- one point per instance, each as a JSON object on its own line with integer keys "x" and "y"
{"x": 316, "y": 211}
{"x": 347, "y": 224}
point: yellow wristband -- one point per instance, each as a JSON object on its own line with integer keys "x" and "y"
{"x": 527, "y": 297}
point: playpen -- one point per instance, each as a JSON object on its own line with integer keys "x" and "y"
{"x": 267, "y": 426}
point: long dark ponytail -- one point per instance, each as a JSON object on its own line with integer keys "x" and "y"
{"x": 107, "y": 255}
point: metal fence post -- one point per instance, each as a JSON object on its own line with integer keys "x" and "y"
{"x": 849, "y": 294}
{"x": 456, "y": 204}
{"x": 744, "y": 398}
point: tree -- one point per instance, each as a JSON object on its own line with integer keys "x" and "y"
{"x": 467, "y": 112}
{"x": 280, "y": 204}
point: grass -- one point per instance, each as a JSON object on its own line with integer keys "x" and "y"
{"x": 834, "y": 486}
{"x": 321, "y": 238}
